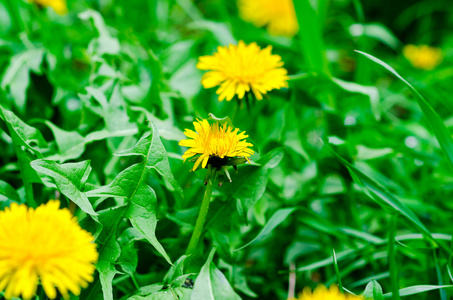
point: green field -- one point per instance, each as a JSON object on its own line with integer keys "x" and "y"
{"x": 202, "y": 149}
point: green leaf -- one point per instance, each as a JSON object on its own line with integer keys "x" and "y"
{"x": 109, "y": 251}
{"x": 175, "y": 271}
{"x": 131, "y": 184}
{"x": 219, "y": 30}
{"x": 17, "y": 76}
{"x": 71, "y": 144}
{"x": 328, "y": 261}
{"x": 69, "y": 179}
{"x": 373, "y": 291}
{"x": 128, "y": 259}
{"x": 221, "y": 121}
{"x": 383, "y": 197}
{"x": 23, "y": 136}
{"x": 417, "y": 289}
{"x": 7, "y": 192}
{"x": 124, "y": 185}
{"x": 211, "y": 284}
{"x": 150, "y": 147}
{"x": 21, "y": 133}
{"x": 168, "y": 294}
{"x": 437, "y": 125}
{"x": 337, "y": 269}
{"x": 104, "y": 43}
{"x": 277, "y": 218}
{"x": 142, "y": 214}
{"x": 249, "y": 185}
{"x": 310, "y": 36}
{"x": 370, "y": 91}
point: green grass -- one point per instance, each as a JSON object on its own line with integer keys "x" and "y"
{"x": 352, "y": 178}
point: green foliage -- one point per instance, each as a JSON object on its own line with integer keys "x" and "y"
{"x": 351, "y": 179}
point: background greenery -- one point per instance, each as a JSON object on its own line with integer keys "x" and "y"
{"x": 85, "y": 97}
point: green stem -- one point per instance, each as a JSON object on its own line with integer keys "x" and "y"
{"x": 196, "y": 235}
{"x": 392, "y": 258}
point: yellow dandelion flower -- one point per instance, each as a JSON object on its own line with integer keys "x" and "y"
{"x": 242, "y": 68}
{"x": 59, "y": 6}
{"x": 278, "y": 15}
{"x": 322, "y": 293}
{"x": 214, "y": 143}
{"x": 423, "y": 57}
{"x": 44, "y": 245}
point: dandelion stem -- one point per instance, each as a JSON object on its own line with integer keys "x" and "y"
{"x": 392, "y": 258}
{"x": 196, "y": 235}
{"x": 247, "y": 102}
{"x": 292, "y": 281}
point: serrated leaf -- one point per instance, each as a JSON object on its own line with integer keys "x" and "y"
{"x": 142, "y": 214}
{"x": 109, "y": 251}
{"x": 131, "y": 184}
{"x": 150, "y": 147}
{"x": 69, "y": 179}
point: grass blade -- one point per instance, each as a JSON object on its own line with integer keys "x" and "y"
{"x": 337, "y": 270}
{"x": 437, "y": 125}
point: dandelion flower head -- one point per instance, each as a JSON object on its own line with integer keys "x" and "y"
{"x": 214, "y": 141}
{"x": 278, "y": 15}
{"x": 322, "y": 293}
{"x": 44, "y": 245}
{"x": 239, "y": 69}
{"x": 59, "y": 6}
{"x": 423, "y": 57}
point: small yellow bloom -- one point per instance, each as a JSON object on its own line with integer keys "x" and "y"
{"x": 214, "y": 143}
{"x": 243, "y": 68}
{"x": 278, "y": 15}
{"x": 59, "y": 6}
{"x": 423, "y": 57}
{"x": 322, "y": 293}
{"x": 45, "y": 244}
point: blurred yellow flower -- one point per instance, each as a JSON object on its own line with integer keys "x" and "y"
{"x": 278, "y": 15}
{"x": 423, "y": 57}
{"x": 59, "y": 6}
{"x": 322, "y": 293}
{"x": 241, "y": 69}
{"x": 214, "y": 143}
{"x": 45, "y": 244}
